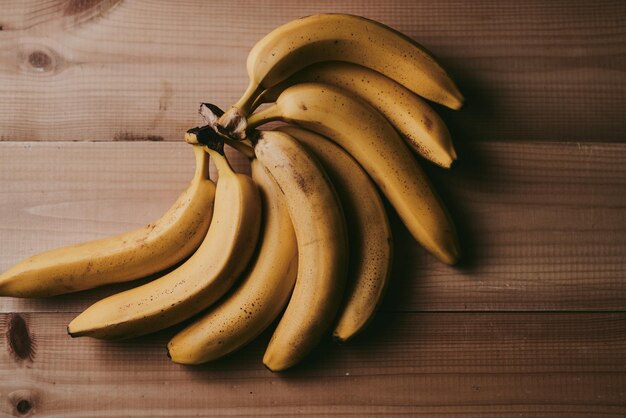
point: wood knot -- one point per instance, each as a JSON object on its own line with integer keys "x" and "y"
{"x": 34, "y": 58}
{"x": 23, "y": 401}
{"x": 78, "y": 7}
{"x": 39, "y": 60}
{"x": 23, "y": 407}
{"x": 20, "y": 342}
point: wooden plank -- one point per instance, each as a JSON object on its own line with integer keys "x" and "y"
{"x": 496, "y": 364}
{"x": 104, "y": 69}
{"x": 543, "y": 225}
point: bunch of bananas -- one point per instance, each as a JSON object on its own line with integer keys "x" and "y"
{"x": 307, "y": 233}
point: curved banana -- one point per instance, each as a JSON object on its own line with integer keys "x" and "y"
{"x": 320, "y": 228}
{"x": 414, "y": 119}
{"x": 195, "y": 284}
{"x": 124, "y": 257}
{"x": 369, "y": 232}
{"x": 260, "y": 296}
{"x": 343, "y": 37}
{"x": 373, "y": 142}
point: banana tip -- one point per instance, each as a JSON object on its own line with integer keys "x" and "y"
{"x": 445, "y": 164}
{"x": 452, "y": 259}
{"x": 270, "y": 368}
{"x": 191, "y": 138}
{"x": 339, "y": 339}
{"x": 274, "y": 366}
{"x": 70, "y": 333}
{"x": 457, "y": 102}
{"x": 77, "y": 329}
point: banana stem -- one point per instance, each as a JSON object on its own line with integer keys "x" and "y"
{"x": 243, "y": 147}
{"x": 244, "y": 104}
{"x": 263, "y": 116}
{"x": 221, "y": 163}
{"x": 258, "y": 102}
{"x": 202, "y": 162}
{"x": 271, "y": 94}
{"x": 267, "y": 96}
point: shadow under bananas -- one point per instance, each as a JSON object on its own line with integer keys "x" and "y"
{"x": 464, "y": 188}
{"x": 455, "y": 187}
{"x": 328, "y": 358}
{"x": 334, "y": 359}
{"x": 471, "y": 173}
{"x": 486, "y": 114}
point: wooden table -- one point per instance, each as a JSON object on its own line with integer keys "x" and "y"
{"x": 95, "y": 96}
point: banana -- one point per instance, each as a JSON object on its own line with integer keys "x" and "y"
{"x": 373, "y": 142}
{"x": 124, "y": 257}
{"x": 343, "y": 37}
{"x": 418, "y": 123}
{"x": 320, "y": 228}
{"x": 369, "y": 232}
{"x": 258, "y": 299}
{"x": 195, "y": 284}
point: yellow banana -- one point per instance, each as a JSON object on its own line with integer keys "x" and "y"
{"x": 373, "y": 142}
{"x": 418, "y": 123}
{"x": 124, "y": 257}
{"x": 343, "y": 37}
{"x": 320, "y": 228}
{"x": 369, "y": 232}
{"x": 258, "y": 299}
{"x": 195, "y": 284}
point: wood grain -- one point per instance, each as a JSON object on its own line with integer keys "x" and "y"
{"x": 110, "y": 70}
{"x": 557, "y": 365}
{"x": 542, "y": 225}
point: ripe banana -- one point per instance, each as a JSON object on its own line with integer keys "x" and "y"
{"x": 418, "y": 123}
{"x": 195, "y": 284}
{"x": 343, "y": 37}
{"x": 124, "y": 257}
{"x": 320, "y": 228}
{"x": 258, "y": 299}
{"x": 373, "y": 142}
{"x": 369, "y": 232}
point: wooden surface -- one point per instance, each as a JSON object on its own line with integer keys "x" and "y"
{"x": 95, "y": 96}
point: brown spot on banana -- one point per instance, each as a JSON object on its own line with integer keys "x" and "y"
{"x": 301, "y": 181}
{"x": 428, "y": 123}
